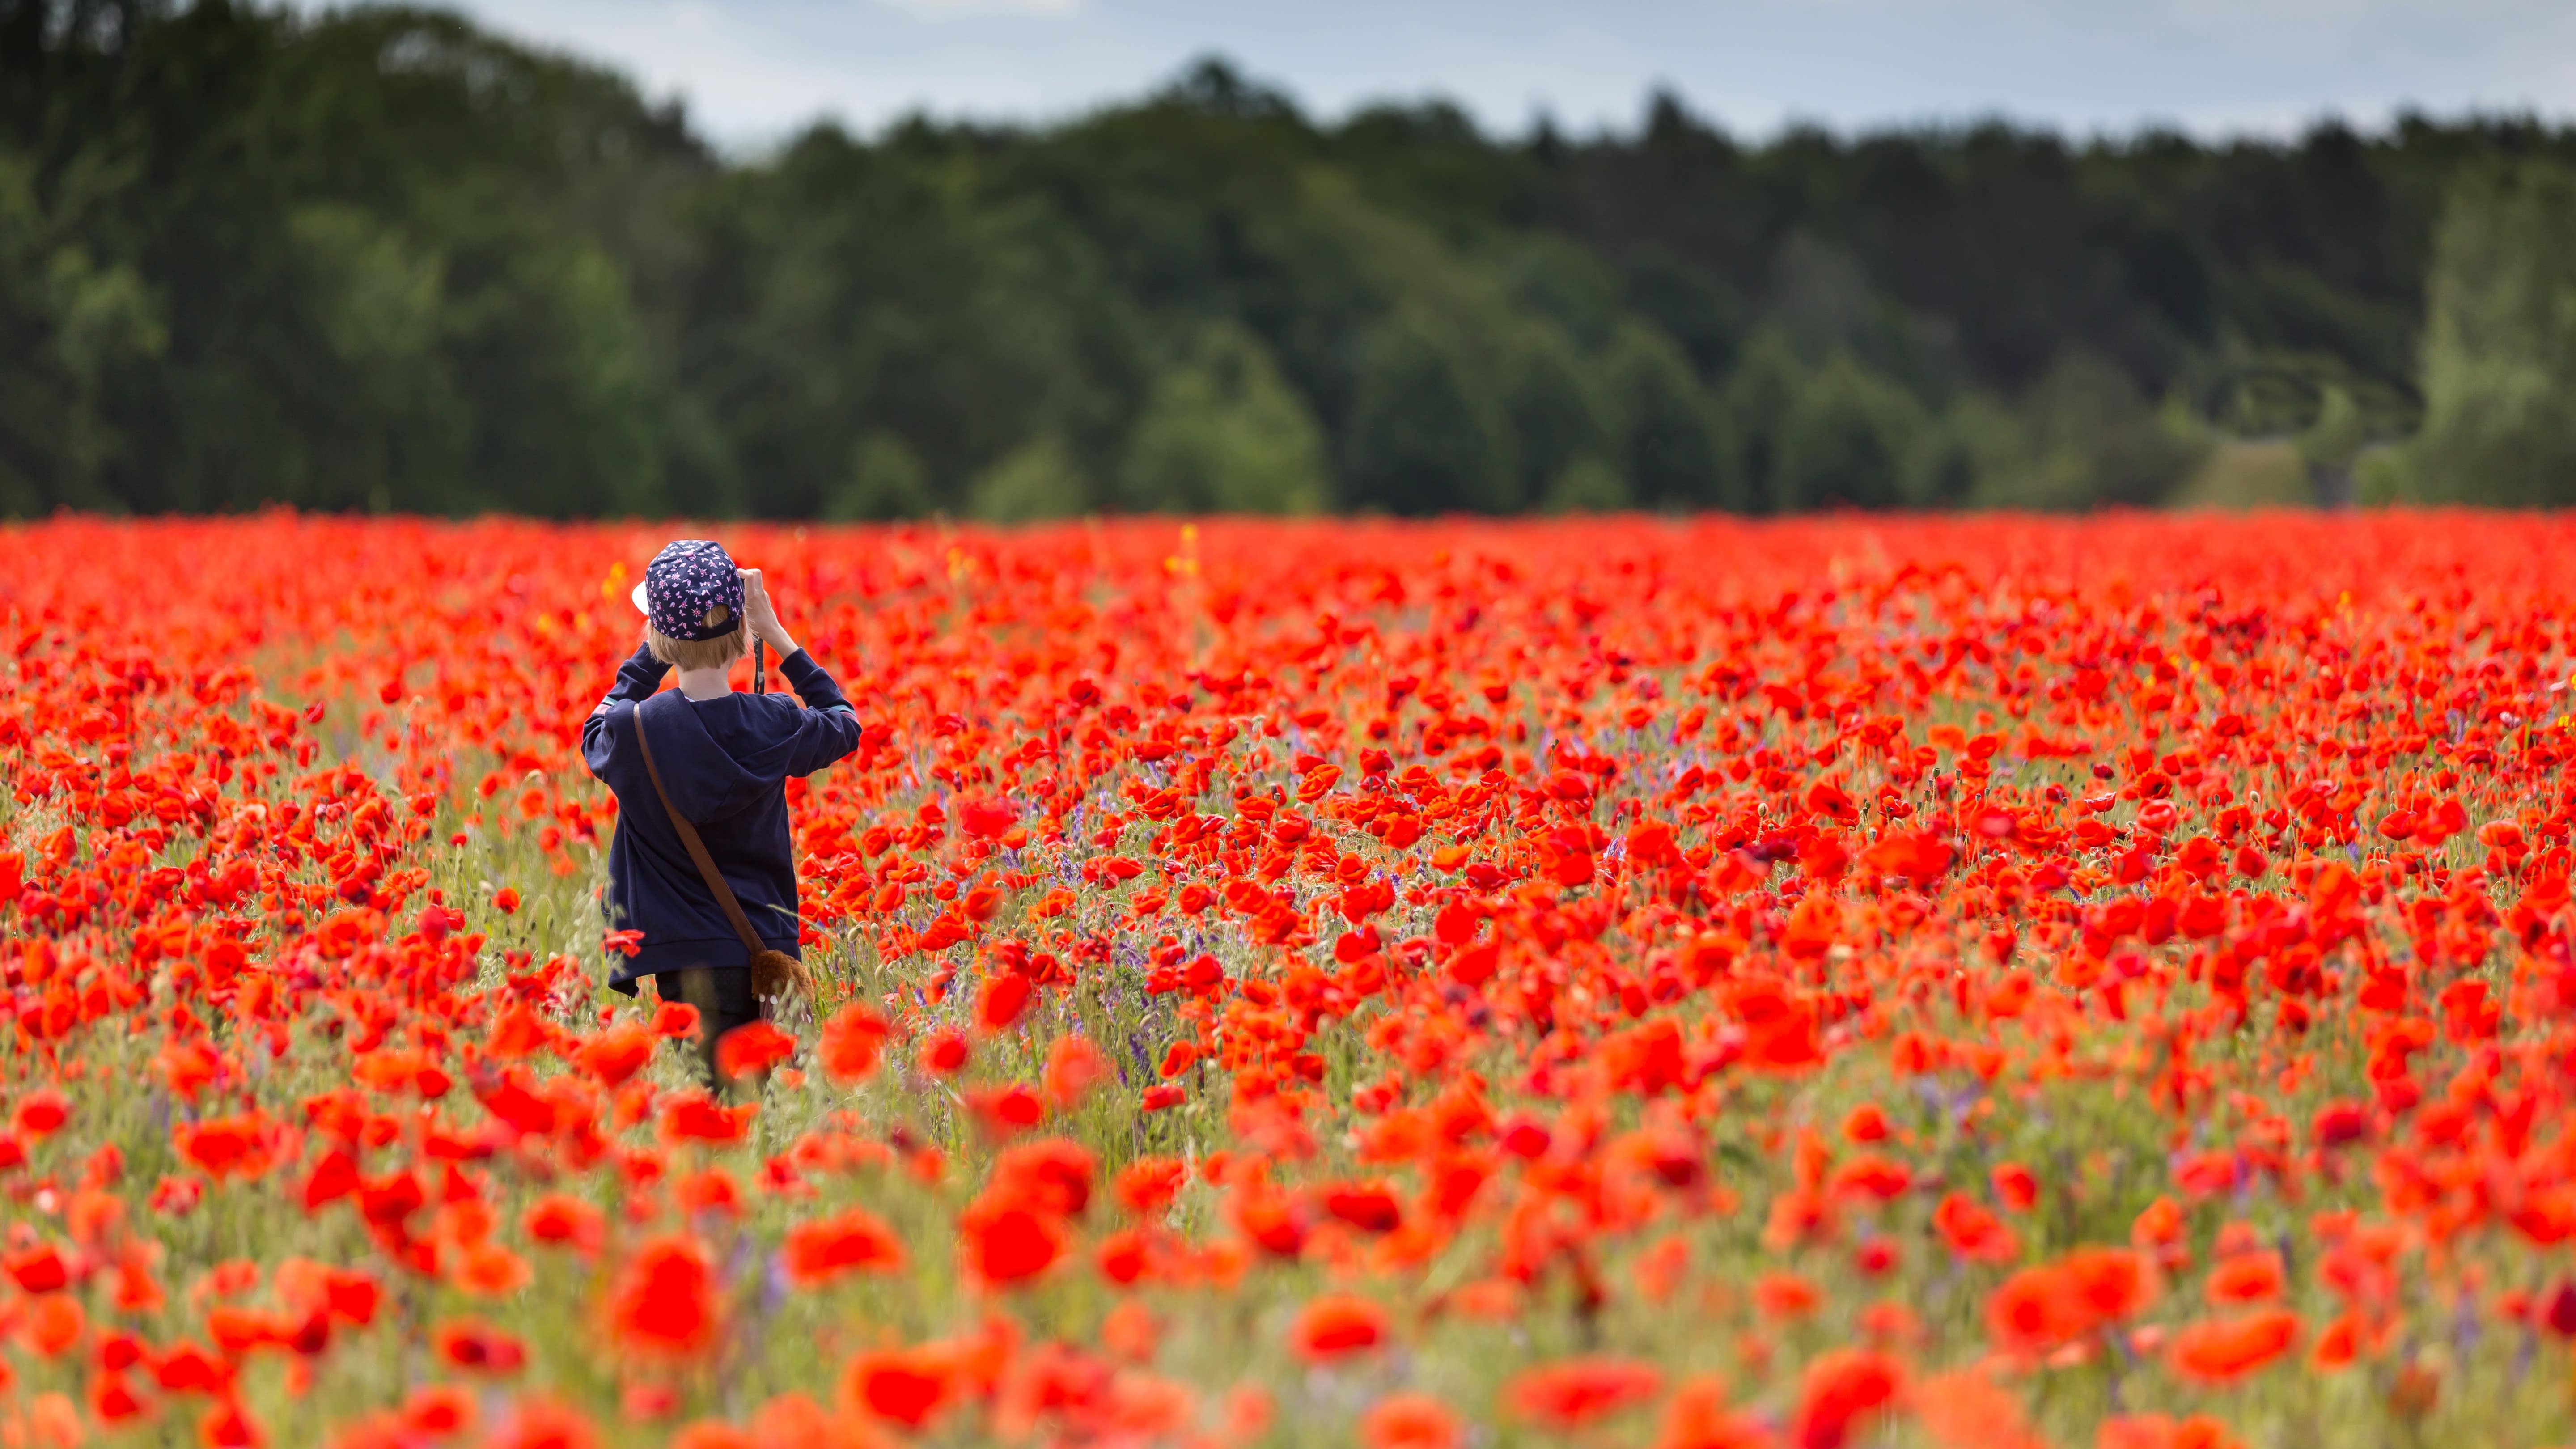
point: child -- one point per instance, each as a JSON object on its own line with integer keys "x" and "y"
{"x": 725, "y": 758}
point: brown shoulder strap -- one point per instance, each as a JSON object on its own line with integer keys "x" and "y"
{"x": 697, "y": 848}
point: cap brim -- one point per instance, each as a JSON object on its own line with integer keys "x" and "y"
{"x": 641, "y": 607}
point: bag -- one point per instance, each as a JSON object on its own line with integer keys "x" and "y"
{"x": 774, "y": 974}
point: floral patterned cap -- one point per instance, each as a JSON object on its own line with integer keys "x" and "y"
{"x": 691, "y": 591}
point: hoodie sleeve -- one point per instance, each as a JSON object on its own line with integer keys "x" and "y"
{"x": 828, "y": 728}
{"x": 637, "y": 679}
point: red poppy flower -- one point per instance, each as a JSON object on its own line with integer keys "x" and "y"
{"x": 900, "y": 1386}
{"x": 2035, "y": 1310}
{"x": 754, "y": 1046}
{"x": 1698, "y": 1418}
{"x": 1409, "y": 1420}
{"x": 2223, "y": 1350}
{"x": 477, "y": 1347}
{"x": 565, "y": 1222}
{"x": 2016, "y": 1187}
{"x": 855, "y": 1241}
{"x": 944, "y": 1053}
{"x": 1007, "y": 1243}
{"x": 1073, "y": 1067}
{"x": 1336, "y": 1325}
{"x": 1053, "y": 1176}
{"x": 1840, "y": 1391}
{"x": 538, "y": 1423}
{"x": 1570, "y": 1394}
{"x": 985, "y": 819}
{"x": 40, "y": 1114}
{"x": 617, "y": 1053}
{"x": 221, "y": 1147}
{"x": 1003, "y": 998}
{"x": 2245, "y": 1278}
{"x": 851, "y": 1040}
{"x": 694, "y": 1117}
{"x": 1973, "y": 1232}
{"x": 40, "y": 1268}
{"x": 1369, "y": 1207}
{"x": 664, "y": 1302}
{"x": 1146, "y": 1187}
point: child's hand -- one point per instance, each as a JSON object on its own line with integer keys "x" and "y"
{"x": 760, "y": 617}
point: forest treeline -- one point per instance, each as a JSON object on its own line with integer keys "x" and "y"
{"x": 380, "y": 259}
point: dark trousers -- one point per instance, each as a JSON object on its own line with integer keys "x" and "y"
{"x": 722, "y": 995}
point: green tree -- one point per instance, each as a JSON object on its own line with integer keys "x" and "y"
{"x": 1754, "y": 402}
{"x": 376, "y": 256}
{"x": 1850, "y": 439}
{"x": 68, "y": 325}
{"x": 2089, "y": 437}
{"x": 1587, "y": 484}
{"x": 1555, "y": 410}
{"x": 2500, "y": 344}
{"x": 1668, "y": 441}
{"x": 2331, "y": 445}
{"x": 1040, "y": 479}
{"x": 854, "y": 287}
{"x": 2118, "y": 445}
{"x": 886, "y": 480}
{"x": 1222, "y": 432}
{"x": 1424, "y": 437}
{"x": 1970, "y": 453}
{"x": 565, "y": 420}
{"x": 396, "y": 426}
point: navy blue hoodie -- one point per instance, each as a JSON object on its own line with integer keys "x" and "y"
{"x": 725, "y": 761}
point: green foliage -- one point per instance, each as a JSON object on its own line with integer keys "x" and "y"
{"x": 2248, "y": 474}
{"x": 2500, "y": 347}
{"x": 2325, "y": 413}
{"x": 1424, "y": 435}
{"x": 1222, "y": 432}
{"x": 379, "y": 258}
{"x": 2102, "y": 438}
{"x": 886, "y": 481}
{"x": 1967, "y": 452}
{"x": 557, "y": 328}
{"x": 1037, "y": 480}
{"x": 1823, "y": 302}
{"x": 2085, "y": 435}
{"x": 1557, "y": 414}
{"x": 1587, "y": 485}
{"x": 1755, "y": 401}
{"x": 67, "y": 325}
{"x": 1667, "y": 440}
{"x": 401, "y": 428}
{"x": 1848, "y": 441}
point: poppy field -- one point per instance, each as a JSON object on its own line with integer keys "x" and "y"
{"x": 1621, "y": 982}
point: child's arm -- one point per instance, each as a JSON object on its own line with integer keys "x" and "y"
{"x": 829, "y": 728}
{"x": 637, "y": 678}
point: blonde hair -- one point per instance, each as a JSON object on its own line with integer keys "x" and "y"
{"x": 717, "y": 653}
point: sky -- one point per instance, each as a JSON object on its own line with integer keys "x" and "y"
{"x": 754, "y": 71}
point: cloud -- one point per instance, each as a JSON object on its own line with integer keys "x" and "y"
{"x": 979, "y": 9}
{"x": 740, "y": 74}
{"x": 754, "y": 71}
{"x": 2354, "y": 14}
